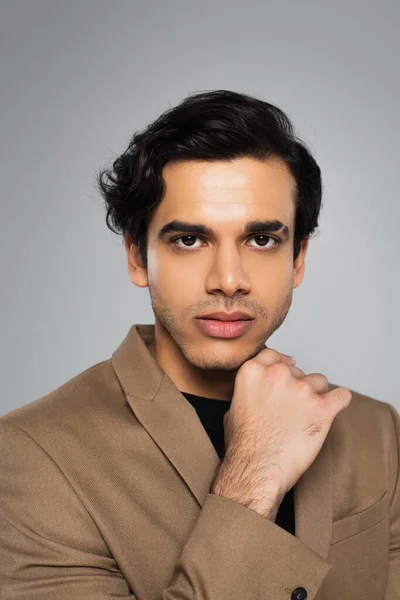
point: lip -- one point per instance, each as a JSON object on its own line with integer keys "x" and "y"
{"x": 224, "y": 329}
{"x": 225, "y": 316}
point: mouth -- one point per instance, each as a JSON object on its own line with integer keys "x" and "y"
{"x": 225, "y": 316}
{"x": 223, "y": 320}
{"x": 224, "y": 328}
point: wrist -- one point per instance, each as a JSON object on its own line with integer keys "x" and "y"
{"x": 266, "y": 506}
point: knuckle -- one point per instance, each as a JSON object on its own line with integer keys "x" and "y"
{"x": 304, "y": 386}
{"x": 298, "y": 372}
{"x": 321, "y": 383}
{"x": 250, "y": 368}
{"x": 346, "y": 394}
{"x": 322, "y": 378}
{"x": 271, "y": 354}
{"x": 278, "y": 369}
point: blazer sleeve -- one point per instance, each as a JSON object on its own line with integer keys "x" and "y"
{"x": 51, "y": 549}
{"x": 393, "y": 584}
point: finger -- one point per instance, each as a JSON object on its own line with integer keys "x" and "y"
{"x": 269, "y": 356}
{"x": 297, "y": 372}
{"x": 318, "y": 382}
{"x": 337, "y": 399}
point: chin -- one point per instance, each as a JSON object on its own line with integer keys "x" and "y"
{"x": 207, "y": 363}
{"x": 222, "y": 357}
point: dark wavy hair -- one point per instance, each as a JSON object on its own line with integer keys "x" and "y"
{"x": 214, "y": 125}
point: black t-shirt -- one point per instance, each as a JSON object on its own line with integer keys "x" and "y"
{"x": 211, "y": 414}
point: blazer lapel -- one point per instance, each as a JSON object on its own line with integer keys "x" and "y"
{"x": 173, "y": 424}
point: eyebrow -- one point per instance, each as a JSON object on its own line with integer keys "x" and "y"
{"x": 251, "y": 227}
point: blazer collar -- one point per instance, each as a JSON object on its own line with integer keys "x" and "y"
{"x": 174, "y": 425}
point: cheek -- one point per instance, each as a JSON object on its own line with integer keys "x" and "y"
{"x": 174, "y": 281}
{"x": 277, "y": 274}
{"x": 160, "y": 269}
{"x": 173, "y": 275}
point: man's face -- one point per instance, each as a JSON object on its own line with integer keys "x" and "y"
{"x": 190, "y": 274}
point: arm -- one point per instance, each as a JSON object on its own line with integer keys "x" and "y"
{"x": 234, "y": 553}
{"x": 51, "y": 549}
{"x": 393, "y": 584}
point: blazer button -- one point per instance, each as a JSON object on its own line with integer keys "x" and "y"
{"x": 299, "y": 594}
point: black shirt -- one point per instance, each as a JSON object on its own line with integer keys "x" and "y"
{"x": 211, "y": 414}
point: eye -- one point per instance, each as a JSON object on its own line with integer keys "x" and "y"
{"x": 191, "y": 238}
{"x": 269, "y": 237}
{"x": 181, "y": 237}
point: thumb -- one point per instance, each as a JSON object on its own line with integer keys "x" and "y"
{"x": 336, "y": 400}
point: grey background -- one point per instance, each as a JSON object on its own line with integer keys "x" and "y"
{"x": 77, "y": 78}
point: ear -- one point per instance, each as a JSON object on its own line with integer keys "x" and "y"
{"x": 136, "y": 269}
{"x": 299, "y": 264}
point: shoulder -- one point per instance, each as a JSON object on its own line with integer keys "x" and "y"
{"x": 365, "y": 443}
{"x": 367, "y": 429}
{"x": 90, "y": 397}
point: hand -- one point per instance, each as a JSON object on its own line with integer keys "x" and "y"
{"x": 274, "y": 429}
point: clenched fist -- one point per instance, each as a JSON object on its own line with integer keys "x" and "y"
{"x": 275, "y": 427}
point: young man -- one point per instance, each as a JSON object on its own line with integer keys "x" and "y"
{"x": 197, "y": 463}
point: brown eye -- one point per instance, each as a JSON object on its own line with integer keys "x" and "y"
{"x": 188, "y": 242}
{"x": 190, "y": 238}
{"x": 264, "y": 239}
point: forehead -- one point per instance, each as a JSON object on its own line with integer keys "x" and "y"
{"x": 226, "y": 192}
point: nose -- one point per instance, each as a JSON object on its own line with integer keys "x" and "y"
{"x": 227, "y": 273}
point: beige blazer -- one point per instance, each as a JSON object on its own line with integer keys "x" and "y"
{"x": 105, "y": 494}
